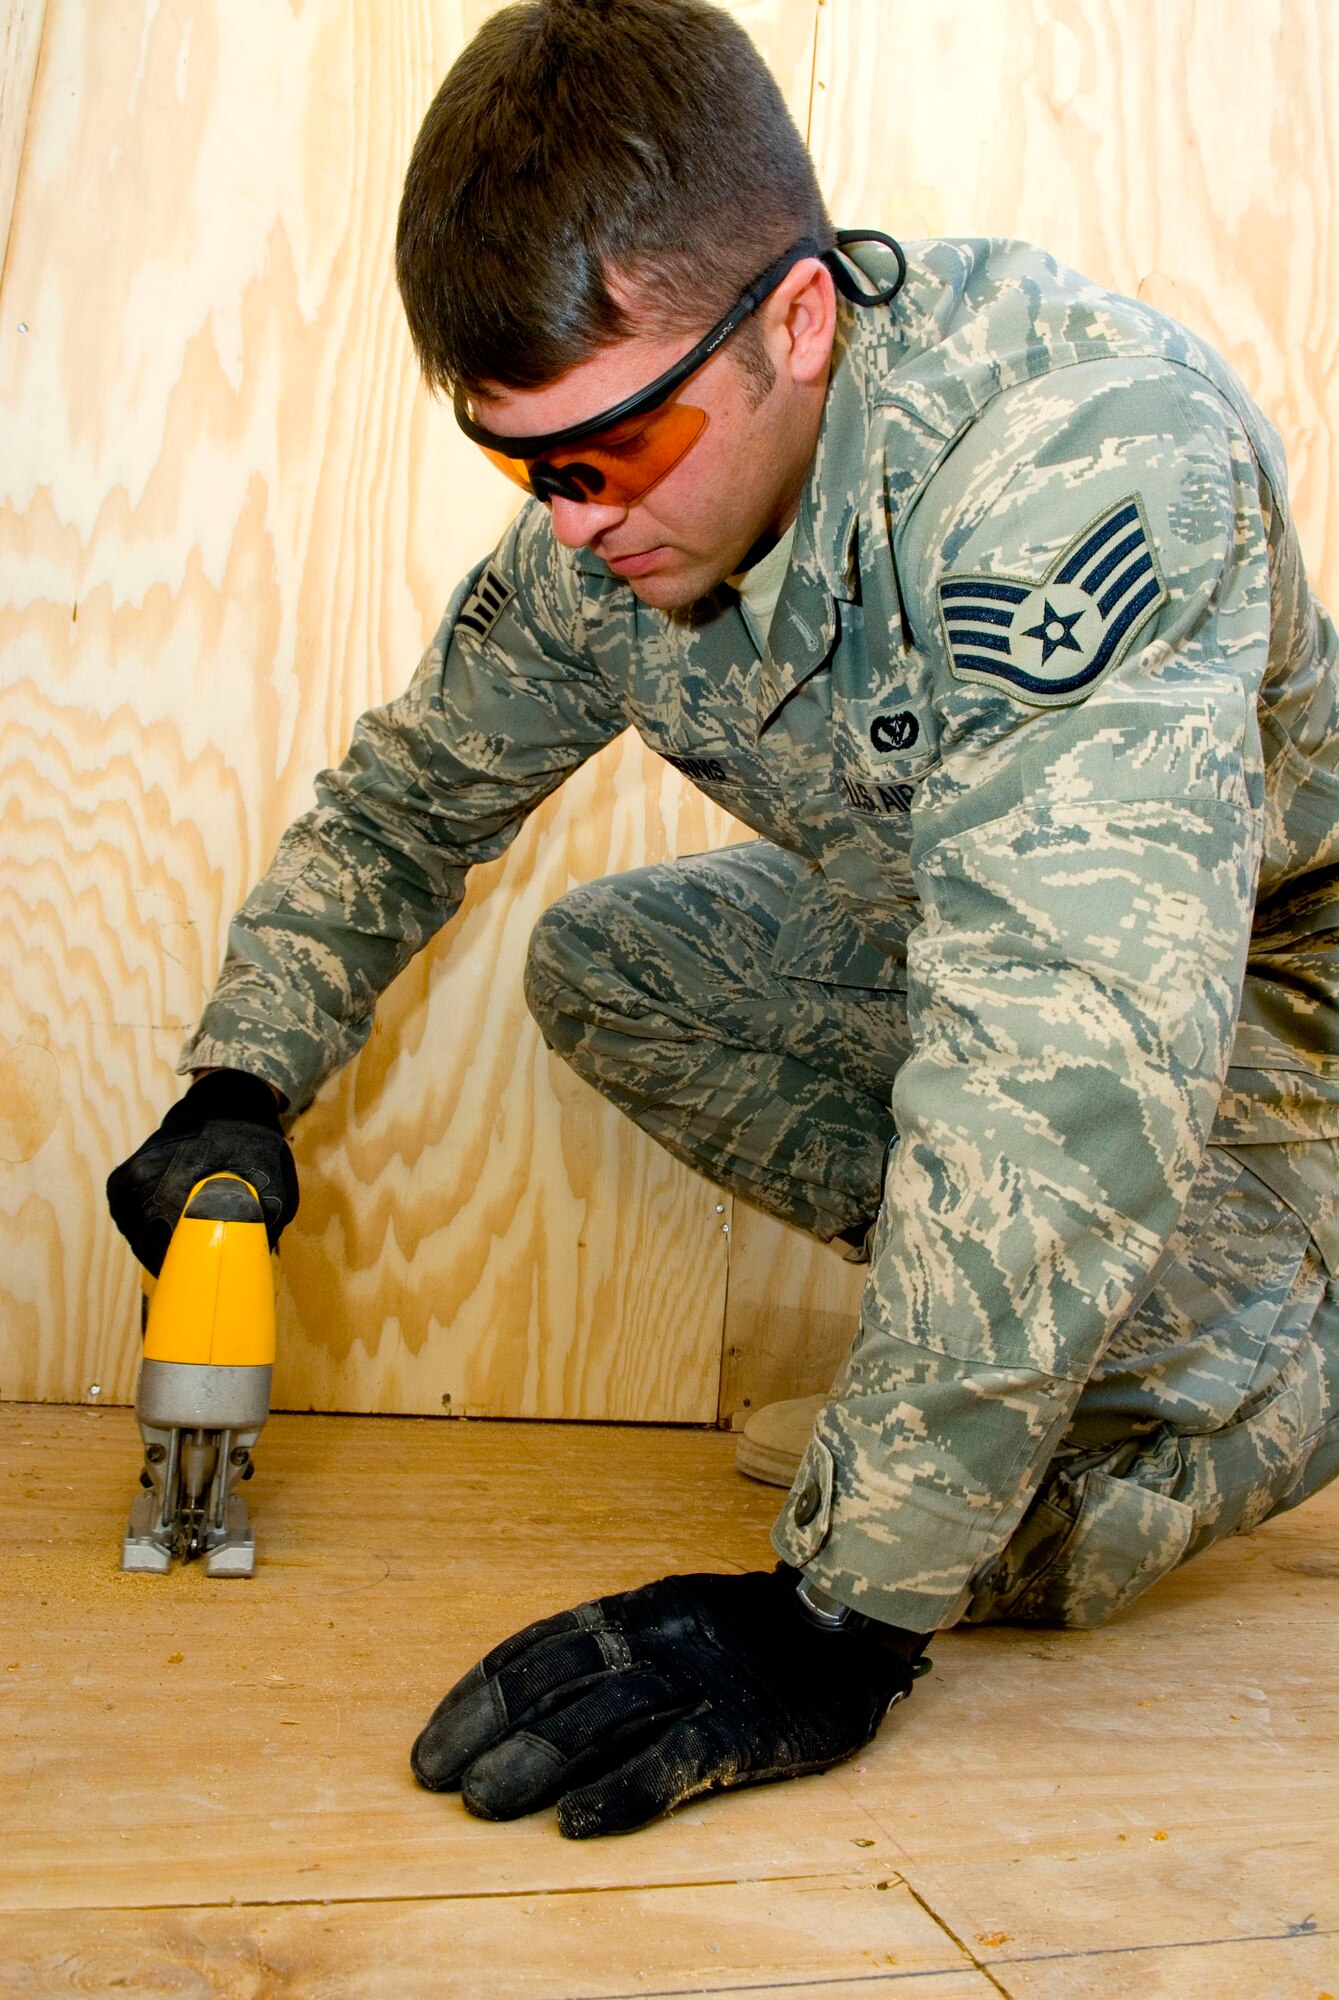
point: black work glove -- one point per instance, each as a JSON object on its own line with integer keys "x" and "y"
{"x": 623, "y": 1708}
{"x": 228, "y": 1122}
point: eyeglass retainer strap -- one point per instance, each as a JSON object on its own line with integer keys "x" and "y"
{"x": 842, "y": 278}
{"x": 647, "y": 398}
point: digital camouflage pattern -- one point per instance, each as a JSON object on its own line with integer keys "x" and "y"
{"x": 664, "y": 987}
{"x": 1207, "y": 1413}
{"x": 1064, "y": 874}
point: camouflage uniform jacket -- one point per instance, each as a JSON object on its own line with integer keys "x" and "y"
{"x": 1049, "y": 706}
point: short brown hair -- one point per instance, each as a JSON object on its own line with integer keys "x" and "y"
{"x": 578, "y": 141}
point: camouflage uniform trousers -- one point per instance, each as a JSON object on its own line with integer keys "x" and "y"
{"x": 1215, "y": 1404}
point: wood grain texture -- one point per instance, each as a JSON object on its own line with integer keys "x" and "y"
{"x": 1275, "y": 1967}
{"x": 20, "y": 44}
{"x": 1158, "y": 1786}
{"x": 759, "y": 1938}
{"x": 207, "y": 1793}
{"x": 229, "y": 520}
{"x": 1183, "y": 151}
{"x": 791, "y": 1313}
{"x": 392, "y": 1553}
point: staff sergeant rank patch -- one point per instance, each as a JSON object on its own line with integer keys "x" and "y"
{"x": 485, "y": 603}
{"x": 1048, "y": 642}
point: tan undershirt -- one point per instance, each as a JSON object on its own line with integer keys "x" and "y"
{"x": 760, "y": 587}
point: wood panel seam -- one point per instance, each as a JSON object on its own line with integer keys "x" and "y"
{"x": 813, "y": 75}
{"x": 950, "y": 1933}
{"x": 476, "y": 1895}
{"x": 1292, "y": 1934}
{"x": 24, "y": 23}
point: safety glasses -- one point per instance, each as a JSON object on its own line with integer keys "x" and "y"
{"x": 618, "y": 456}
{"x": 614, "y": 466}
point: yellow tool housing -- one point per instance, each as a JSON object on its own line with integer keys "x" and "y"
{"x": 213, "y": 1302}
{"x": 204, "y": 1383}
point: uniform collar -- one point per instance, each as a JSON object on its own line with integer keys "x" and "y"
{"x": 829, "y": 507}
{"x": 871, "y": 347}
{"x": 823, "y": 569}
{"x": 872, "y": 350}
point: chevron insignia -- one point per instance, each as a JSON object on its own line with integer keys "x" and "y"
{"x": 1048, "y": 642}
{"x": 485, "y": 603}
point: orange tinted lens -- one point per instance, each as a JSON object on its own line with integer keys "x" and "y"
{"x": 622, "y": 464}
{"x": 633, "y": 458}
{"x": 515, "y": 468}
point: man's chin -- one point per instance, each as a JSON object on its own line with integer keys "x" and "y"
{"x": 673, "y": 589}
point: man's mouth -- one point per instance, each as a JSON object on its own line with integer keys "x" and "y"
{"x": 633, "y": 564}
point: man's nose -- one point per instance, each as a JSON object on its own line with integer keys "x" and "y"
{"x": 577, "y": 522}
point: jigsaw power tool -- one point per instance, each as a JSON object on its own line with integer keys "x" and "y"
{"x": 204, "y": 1384}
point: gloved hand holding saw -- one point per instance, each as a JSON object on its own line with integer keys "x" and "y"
{"x": 228, "y": 1122}
{"x": 622, "y": 1708}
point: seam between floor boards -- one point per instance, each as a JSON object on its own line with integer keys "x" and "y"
{"x": 1305, "y": 1928}
{"x": 951, "y": 1934}
{"x": 422, "y": 1896}
{"x": 782, "y": 1985}
{"x": 1292, "y": 1934}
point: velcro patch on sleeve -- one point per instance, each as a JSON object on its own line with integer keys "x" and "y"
{"x": 1047, "y": 642}
{"x": 485, "y": 603}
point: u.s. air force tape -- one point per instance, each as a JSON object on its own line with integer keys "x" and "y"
{"x": 1047, "y": 642}
{"x": 485, "y": 603}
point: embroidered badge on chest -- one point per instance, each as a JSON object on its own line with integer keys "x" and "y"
{"x": 1048, "y": 642}
{"x": 485, "y": 604}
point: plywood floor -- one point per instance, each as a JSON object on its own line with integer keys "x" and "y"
{"x": 205, "y": 1789}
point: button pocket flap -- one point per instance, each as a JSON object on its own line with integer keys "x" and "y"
{"x": 807, "y": 1515}
{"x": 1126, "y": 1537}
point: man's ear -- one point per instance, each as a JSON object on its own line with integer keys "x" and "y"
{"x": 800, "y": 323}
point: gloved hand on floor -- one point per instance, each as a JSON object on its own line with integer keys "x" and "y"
{"x": 623, "y": 1708}
{"x": 228, "y": 1122}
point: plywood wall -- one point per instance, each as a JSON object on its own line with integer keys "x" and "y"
{"x": 229, "y": 518}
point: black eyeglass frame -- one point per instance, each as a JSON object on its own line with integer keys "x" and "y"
{"x": 643, "y": 401}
